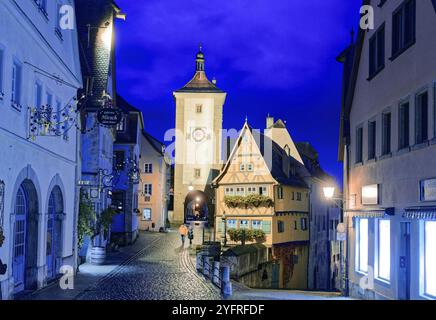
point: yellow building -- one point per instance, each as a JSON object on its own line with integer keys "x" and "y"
{"x": 199, "y": 116}
{"x": 154, "y": 186}
{"x": 260, "y": 187}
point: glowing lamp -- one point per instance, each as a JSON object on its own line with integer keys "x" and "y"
{"x": 329, "y": 192}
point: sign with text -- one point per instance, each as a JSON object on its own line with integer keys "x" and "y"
{"x": 428, "y": 190}
{"x": 370, "y": 194}
{"x": 109, "y": 117}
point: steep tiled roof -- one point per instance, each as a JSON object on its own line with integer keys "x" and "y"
{"x": 156, "y": 144}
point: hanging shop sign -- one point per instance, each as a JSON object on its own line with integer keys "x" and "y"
{"x": 428, "y": 190}
{"x": 109, "y": 117}
{"x": 370, "y": 194}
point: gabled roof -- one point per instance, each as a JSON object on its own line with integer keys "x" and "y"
{"x": 278, "y": 154}
{"x": 156, "y": 144}
{"x": 125, "y": 106}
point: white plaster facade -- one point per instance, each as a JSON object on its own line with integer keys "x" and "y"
{"x": 28, "y": 39}
{"x": 399, "y": 172}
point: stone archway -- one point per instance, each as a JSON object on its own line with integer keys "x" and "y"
{"x": 25, "y": 237}
{"x": 196, "y": 206}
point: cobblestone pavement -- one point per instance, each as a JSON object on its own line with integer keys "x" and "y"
{"x": 162, "y": 270}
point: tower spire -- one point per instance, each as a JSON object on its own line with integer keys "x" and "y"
{"x": 200, "y": 59}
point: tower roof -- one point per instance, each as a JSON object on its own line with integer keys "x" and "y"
{"x": 200, "y": 82}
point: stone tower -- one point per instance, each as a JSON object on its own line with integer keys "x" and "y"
{"x": 199, "y": 116}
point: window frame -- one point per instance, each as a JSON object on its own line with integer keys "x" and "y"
{"x": 421, "y": 126}
{"x": 358, "y": 246}
{"x": 375, "y": 67}
{"x": 17, "y": 80}
{"x": 280, "y": 193}
{"x": 424, "y": 261}
{"x": 150, "y": 168}
{"x": 143, "y": 215}
{"x": 386, "y": 133}
{"x": 372, "y": 139}
{"x": 359, "y": 145}
{"x": 403, "y": 137}
{"x": 402, "y": 44}
{"x": 379, "y": 251}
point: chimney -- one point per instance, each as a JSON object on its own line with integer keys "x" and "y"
{"x": 269, "y": 122}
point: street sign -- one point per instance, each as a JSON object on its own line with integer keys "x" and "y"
{"x": 109, "y": 116}
{"x": 84, "y": 183}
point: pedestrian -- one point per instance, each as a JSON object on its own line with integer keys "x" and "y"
{"x": 183, "y": 232}
{"x": 190, "y": 234}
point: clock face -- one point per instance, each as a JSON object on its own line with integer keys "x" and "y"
{"x": 94, "y": 193}
{"x": 199, "y": 135}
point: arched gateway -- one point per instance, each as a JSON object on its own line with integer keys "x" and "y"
{"x": 25, "y": 232}
{"x": 196, "y": 207}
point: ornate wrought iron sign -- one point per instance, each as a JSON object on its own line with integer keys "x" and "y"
{"x": 109, "y": 117}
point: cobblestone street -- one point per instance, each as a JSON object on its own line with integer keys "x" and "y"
{"x": 162, "y": 270}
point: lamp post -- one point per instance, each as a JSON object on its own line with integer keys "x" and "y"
{"x": 329, "y": 194}
{"x": 225, "y": 228}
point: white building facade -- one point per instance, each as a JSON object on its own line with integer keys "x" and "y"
{"x": 388, "y": 145}
{"x": 39, "y": 66}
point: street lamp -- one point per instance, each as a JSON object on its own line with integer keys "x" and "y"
{"x": 329, "y": 192}
{"x": 225, "y": 228}
{"x": 191, "y": 188}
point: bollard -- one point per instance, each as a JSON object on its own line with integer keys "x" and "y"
{"x": 226, "y": 287}
{"x": 216, "y": 273}
{"x": 199, "y": 262}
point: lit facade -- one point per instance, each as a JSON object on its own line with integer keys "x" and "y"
{"x": 388, "y": 133}
{"x": 40, "y": 174}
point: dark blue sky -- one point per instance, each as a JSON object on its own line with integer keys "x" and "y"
{"x": 275, "y": 57}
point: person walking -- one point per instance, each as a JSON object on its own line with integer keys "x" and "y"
{"x": 183, "y": 230}
{"x": 190, "y": 234}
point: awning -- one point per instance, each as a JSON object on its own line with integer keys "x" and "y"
{"x": 420, "y": 213}
{"x": 371, "y": 213}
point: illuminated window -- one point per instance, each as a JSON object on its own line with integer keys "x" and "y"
{"x": 240, "y": 191}
{"x": 146, "y": 214}
{"x": 362, "y": 245}
{"x": 231, "y": 224}
{"x": 251, "y": 190}
{"x": 256, "y": 224}
{"x": 430, "y": 258}
{"x": 229, "y": 192}
{"x": 384, "y": 249}
{"x": 244, "y": 224}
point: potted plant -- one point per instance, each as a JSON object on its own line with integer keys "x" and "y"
{"x": 102, "y": 225}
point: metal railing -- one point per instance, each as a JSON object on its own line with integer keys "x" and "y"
{"x": 218, "y": 275}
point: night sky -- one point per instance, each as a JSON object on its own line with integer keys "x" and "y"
{"x": 270, "y": 56}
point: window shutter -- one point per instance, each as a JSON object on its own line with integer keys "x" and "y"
{"x": 266, "y": 226}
